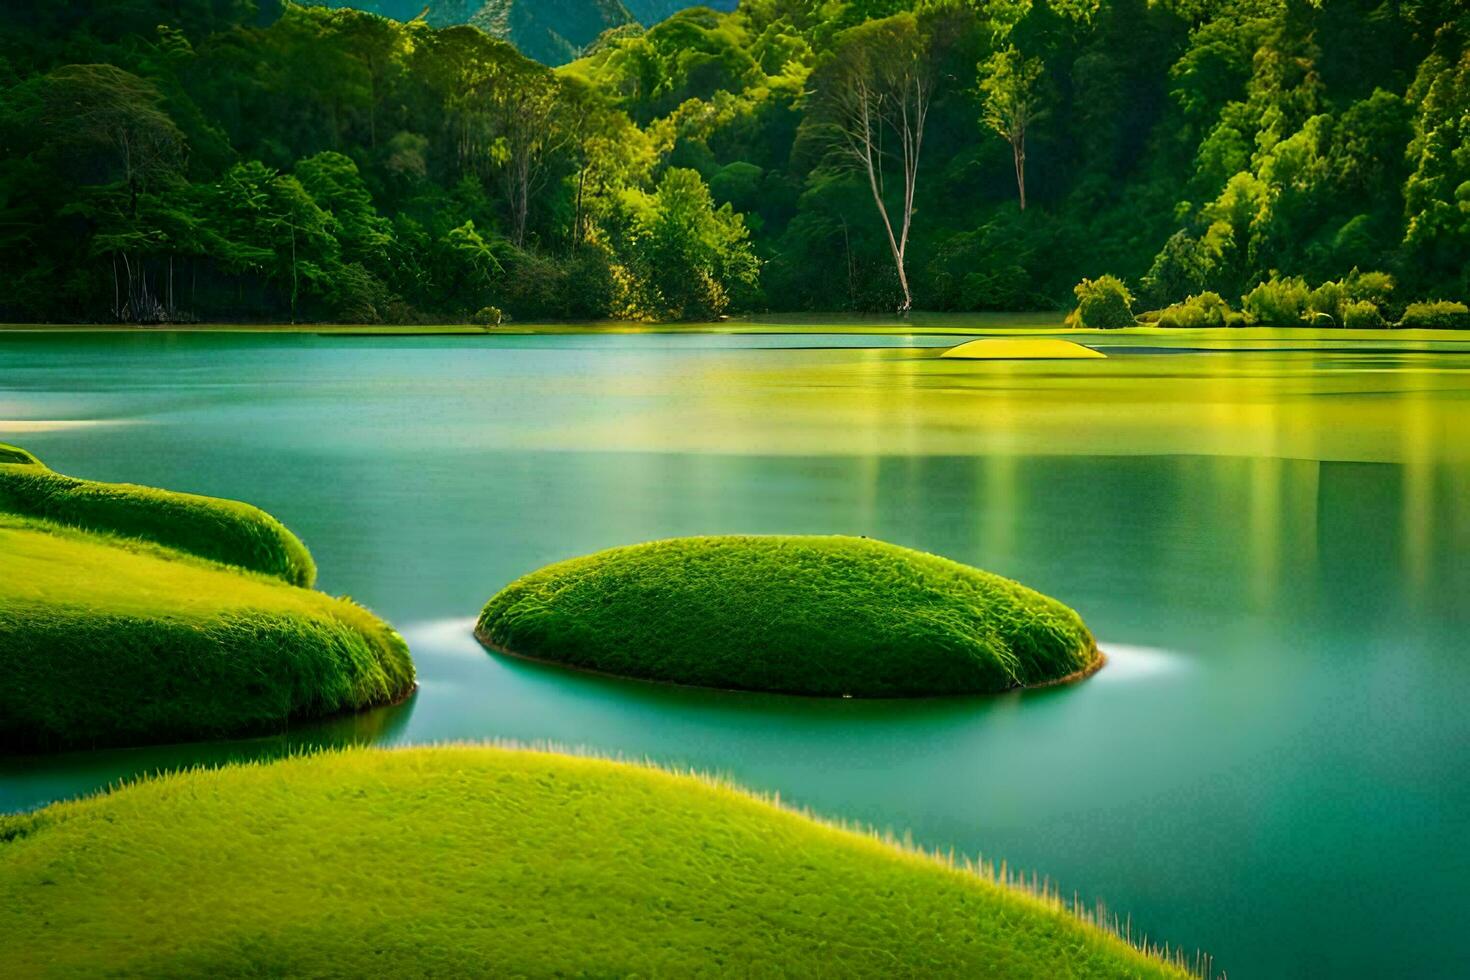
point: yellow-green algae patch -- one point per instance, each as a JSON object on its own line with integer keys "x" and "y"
{"x": 1008, "y": 349}
{"x": 497, "y": 862}
{"x": 802, "y": 614}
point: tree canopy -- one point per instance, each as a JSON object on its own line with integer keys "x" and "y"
{"x": 229, "y": 159}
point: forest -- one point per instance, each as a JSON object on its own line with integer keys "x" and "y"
{"x": 1261, "y": 161}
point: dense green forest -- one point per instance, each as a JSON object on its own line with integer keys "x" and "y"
{"x": 1277, "y": 160}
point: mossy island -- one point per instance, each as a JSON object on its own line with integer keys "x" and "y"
{"x": 812, "y": 615}
{"x": 522, "y": 864}
{"x": 131, "y": 615}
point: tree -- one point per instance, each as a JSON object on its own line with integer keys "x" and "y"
{"x": 1437, "y": 193}
{"x": 1011, "y": 91}
{"x": 525, "y": 106}
{"x": 373, "y": 42}
{"x": 878, "y": 83}
{"x": 265, "y": 223}
{"x": 108, "y": 127}
{"x": 692, "y": 255}
{"x": 1221, "y": 141}
{"x": 509, "y": 116}
{"x": 335, "y": 185}
{"x": 114, "y": 114}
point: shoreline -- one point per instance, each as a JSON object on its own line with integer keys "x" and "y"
{"x": 1021, "y": 325}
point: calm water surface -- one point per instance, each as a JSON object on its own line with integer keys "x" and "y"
{"x": 1273, "y": 545}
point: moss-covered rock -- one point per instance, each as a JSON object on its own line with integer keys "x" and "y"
{"x": 800, "y": 614}
{"x": 221, "y": 530}
{"x": 130, "y": 615}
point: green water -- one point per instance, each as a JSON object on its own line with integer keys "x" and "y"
{"x": 1273, "y": 545}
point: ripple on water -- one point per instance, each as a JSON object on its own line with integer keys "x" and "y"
{"x": 1131, "y": 663}
{"x": 453, "y": 637}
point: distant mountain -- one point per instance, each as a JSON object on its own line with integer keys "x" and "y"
{"x": 650, "y": 12}
{"x": 551, "y": 31}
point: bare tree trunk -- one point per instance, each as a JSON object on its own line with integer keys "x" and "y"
{"x": 851, "y": 271}
{"x": 293, "y": 274}
{"x": 1018, "y": 150}
{"x": 522, "y": 201}
{"x": 129, "y": 310}
{"x": 894, "y": 245}
{"x": 373, "y": 103}
{"x": 577, "y": 224}
{"x": 867, "y": 110}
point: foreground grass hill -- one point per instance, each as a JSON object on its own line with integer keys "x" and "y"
{"x": 819, "y": 615}
{"x": 132, "y": 615}
{"x": 490, "y": 861}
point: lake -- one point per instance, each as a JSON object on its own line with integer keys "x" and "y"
{"x": 1269, "y": 532}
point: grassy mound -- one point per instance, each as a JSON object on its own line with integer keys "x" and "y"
{"x": 221, "y": 530}
{"x": 805, "y": 615}
{"x": 1021, "y": 350}
{"x": 497, "y": 862}
{"x": 111, "y": 641}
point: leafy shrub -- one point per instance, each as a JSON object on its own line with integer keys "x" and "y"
{"x": 1326, "y": 302}
{"x": 1372, "y": 287}
{"x": 1182, "y": 267}
{"x": 1205, "y": 310}
{"x": 1102, "y": 303}
{"x": 489, "y": 316}
{"x": 355, "y": 295}
{"x": 1361, "y": 314}
{"x": 1277, "y": 302}
{"x": 1437, "y": 314}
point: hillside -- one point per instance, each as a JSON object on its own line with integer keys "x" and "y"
{"x": 551, "y": 31}
{"x": 1246, "y": 162}
{"x": 476, "y": 862}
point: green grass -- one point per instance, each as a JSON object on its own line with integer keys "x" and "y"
{"x": 490, "y": 861}
{"x": 797, "y": 614}
{"x": 112, "y": 641}
{"x": 225, "y": 531}
{"x": 130, "y": 615}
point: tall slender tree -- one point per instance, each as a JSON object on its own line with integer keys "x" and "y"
{"x": 1011, "y": 90}
{"x": 876, "y": 91}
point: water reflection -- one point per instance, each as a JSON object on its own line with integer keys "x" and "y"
{"x": 30, "y": 781}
